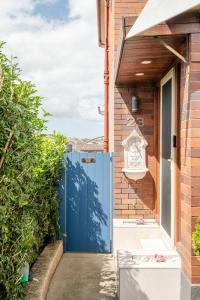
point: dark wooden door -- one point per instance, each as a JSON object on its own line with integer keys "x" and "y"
{"x": 166, "y": 140}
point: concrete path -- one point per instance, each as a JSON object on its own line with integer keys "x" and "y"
{"x": 82, "y": 276}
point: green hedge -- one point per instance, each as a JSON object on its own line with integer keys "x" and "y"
{"x": 30, "y": 164}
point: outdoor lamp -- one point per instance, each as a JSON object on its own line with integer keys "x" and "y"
{"x": 134, "y": 104}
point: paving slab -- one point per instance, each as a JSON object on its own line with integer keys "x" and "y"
{"x": 81, "y": 276}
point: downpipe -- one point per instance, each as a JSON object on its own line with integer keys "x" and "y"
{"x": 106, "y": 78}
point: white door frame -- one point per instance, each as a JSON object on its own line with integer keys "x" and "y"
{"x": 170, "y": 75}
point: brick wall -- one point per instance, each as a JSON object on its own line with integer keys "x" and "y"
{"x": 190, "y": 156}
{"x": 124, "y": 8}
{"x": 135, "y": 199}
{"x": 118, "y": 9}
{"x": 132, "y": 199}
{"x": 185, "y": 191}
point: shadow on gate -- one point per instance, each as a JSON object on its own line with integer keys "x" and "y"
{"x": 86, "y": 218}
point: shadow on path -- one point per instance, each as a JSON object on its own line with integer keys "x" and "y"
{"x": 84, "y": 277}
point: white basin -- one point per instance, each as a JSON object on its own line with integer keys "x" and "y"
{"x": 135, "y": 174}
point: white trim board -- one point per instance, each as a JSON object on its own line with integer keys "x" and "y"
{"x": 159, "y": 11}
{"x": 170, "y": 75}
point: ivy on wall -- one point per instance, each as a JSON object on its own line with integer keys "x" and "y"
{"x": 30, "y": 164}
{"x": 196, "y": 239}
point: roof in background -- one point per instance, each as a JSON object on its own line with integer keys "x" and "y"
{"x": 87, "y": 145}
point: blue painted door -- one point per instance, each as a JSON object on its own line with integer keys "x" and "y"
{"x": 86, "y": 202}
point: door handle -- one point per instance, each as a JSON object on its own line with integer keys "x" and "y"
{"x": 174, "y": 141}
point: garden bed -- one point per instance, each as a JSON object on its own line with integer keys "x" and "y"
{"x": 43, "y": 271}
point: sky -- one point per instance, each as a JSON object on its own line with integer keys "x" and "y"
{"x": 57, "y": 48}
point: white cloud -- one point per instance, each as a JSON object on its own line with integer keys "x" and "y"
{"x": 62, "y": 59}
{"x": 83, "y": 8}
{"x": 10, "y": 7}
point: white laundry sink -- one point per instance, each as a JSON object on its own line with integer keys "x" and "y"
{"x": 141, "y": 277}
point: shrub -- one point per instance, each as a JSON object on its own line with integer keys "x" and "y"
{"x": 30, "y": 163}
{"x": 196, "y": 239}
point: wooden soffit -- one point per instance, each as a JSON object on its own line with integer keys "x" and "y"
{"x": 150, "y": 46}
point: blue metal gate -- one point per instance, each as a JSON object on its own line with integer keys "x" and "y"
{"x": 86, "y": 202}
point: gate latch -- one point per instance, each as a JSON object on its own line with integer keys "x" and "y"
{"x": 88, "y": 160}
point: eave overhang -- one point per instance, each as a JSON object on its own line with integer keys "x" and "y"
{"x": 150, "y": 45}
{"x": 101, "y": 22}
{"x": 159, "y": 11}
